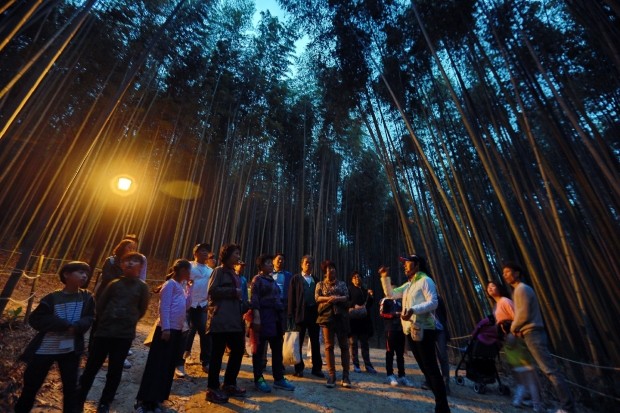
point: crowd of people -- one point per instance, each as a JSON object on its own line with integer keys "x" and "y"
{"x": 228, "y": 314}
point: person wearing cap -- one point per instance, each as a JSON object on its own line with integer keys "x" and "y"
{"x": 419, "y": 296}
{"x": 197, "y": 313}
{"x": 61, "y": 318}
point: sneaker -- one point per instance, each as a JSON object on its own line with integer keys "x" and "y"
{"x": 284, "y": 385}
{"x": 130, "y": 353}
{"x": 392, "y": 380}
{"x": 404, "y": 381}
{"x": 103, "y": 408}
{"x": 346, "y": 383}
{"x": 127, "y": 364}
{"x": 371, "y": 370}
{"x": 233, "y": 391}
{"x": 331, "y": 382}
{"x": 179, "y": 372}
{"x": 357, "y": 369}
{"x": 262, "y": 386}
{"x": 216, "y": 396}
{"x": 425, "y": 386}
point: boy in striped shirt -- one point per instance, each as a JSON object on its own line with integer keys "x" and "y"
{"x": 62, "y": 318}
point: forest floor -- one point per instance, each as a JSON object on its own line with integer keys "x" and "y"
{"x": 370, "y": 393}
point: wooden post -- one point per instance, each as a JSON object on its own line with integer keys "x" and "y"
{"x": 33, "y": 289}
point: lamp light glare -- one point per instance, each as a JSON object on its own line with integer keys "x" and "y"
{"x": 124, "y": 184}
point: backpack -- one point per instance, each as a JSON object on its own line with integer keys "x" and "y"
{"x": 390, "y": 308}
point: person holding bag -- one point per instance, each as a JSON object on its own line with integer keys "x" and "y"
{"x": 419, "y": 296}
{"x": 361, "y": 326}
{"x": 332, "y": 297}
{"x": 267, "y": 325}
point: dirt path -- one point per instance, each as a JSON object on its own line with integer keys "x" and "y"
{"x": 369, "y": 394}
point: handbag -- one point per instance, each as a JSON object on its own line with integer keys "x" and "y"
{"x": 417, "y": 332}
{"x": 291, "y": 352}
{"x": 358, "y": 312}
{"x": 149, "y": 338}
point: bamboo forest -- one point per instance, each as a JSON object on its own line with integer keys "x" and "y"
{"x": 471, "y": 132}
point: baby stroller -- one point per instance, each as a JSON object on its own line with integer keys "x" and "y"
{"x": 479, "y": 358}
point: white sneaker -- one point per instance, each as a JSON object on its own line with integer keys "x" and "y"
{"x": 404, "y": 381}
{"x": 130, "y": 353}
{"x": 392, "y": 380}
{"x": 179, "y": 372}
{"x": 127, "y": 364}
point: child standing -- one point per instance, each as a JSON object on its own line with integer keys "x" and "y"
{"x": 121, "y": 305}
{"x": 61, "y": 318}
{"x": 167, "y": 340}
{"x": 267, "y": 323}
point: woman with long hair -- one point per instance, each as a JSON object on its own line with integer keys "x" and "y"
{"x": 516, "y": 352}
{"x": 168, "y": 338}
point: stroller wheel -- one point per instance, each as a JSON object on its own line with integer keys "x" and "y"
{"x": 504, "y": 390}
{"x": 480, "y": 388}
{"x": 459, "y": 380}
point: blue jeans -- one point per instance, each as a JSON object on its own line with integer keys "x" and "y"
{"x": 537, "y": 343}
{"x": 197, "y": 320}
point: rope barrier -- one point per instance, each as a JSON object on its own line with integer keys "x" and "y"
{"x": 460, "y": 338}
{"x": 25, "y": 301}
{"x": 593, "y": 391}
{"x": 587, "y": 364}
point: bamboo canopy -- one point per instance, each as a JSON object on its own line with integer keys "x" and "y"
{"x": 471, "y": 132}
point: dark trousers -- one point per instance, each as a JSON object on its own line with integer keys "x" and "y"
{"x": 395, "y": 345}
{"x": 115, "y": 349}
{"x": 159, "y": 370}
{"x": 424, "y": 353}
{"x": 309, "y": 324}
{"x": 277, "y": 368}
{"x": 197, "y": 320}
{"x": 236, "y": 343}
{"x": 35, "y": 375}
{"x": 363, "y": 343}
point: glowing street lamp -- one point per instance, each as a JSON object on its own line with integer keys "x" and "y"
{"x": 123, "y": 185}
